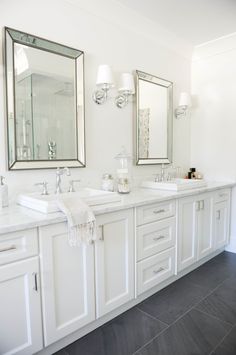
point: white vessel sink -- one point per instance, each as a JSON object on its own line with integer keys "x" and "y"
{"x": 175, "y": 184}
{"x": 48, "y": 203}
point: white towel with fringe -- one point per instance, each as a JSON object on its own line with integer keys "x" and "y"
{"x": 81, "y": 220}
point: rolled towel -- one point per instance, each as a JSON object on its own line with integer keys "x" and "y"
{"x": 80, "y": 218}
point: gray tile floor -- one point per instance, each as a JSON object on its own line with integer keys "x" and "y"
{"x": 196, "y": 315}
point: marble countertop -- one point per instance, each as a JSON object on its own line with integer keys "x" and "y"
{"x": 15, "y": 218}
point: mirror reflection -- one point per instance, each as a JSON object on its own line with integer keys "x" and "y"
{"x": 45, "y": 102}
{"x": 154, "y": 119}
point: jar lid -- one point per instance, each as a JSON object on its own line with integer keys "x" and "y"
{"x": 107, "y": 176}
{"x": 123, "y": 154}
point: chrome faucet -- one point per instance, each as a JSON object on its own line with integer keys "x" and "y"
{"x": 59, "y": 173}
{"x": 163, "y": 172}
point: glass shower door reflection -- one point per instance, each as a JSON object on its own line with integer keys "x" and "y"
{"x": 24, "y": 119}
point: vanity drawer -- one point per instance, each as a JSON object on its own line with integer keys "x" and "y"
{"x": 155, "y": 212}
{"x": 154, "y": 270}
{"x": 155, "y": 237}
{"x": 18, "y": 245}
{"x": 222, "y": 195}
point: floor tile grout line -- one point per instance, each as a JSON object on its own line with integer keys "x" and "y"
{"x": 152, "y": 317}
{"x": 184, "y": 314}
{"x": 221, "y": 341}
{"x": 210, "y": 292}
{"x": 156, "y": 336}
{"x": 189, "y": 310}
{"x": 210, "y": 315}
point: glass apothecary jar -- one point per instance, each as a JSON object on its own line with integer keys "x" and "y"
{"x": 107, "y": 182}
{"x": 123, "y": 172}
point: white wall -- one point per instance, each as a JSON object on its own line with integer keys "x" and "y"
{"x": 103, "y": 41}
{"x": 213, "y": 119}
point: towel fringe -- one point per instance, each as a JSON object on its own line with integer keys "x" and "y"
{"x": 82, "y": 233}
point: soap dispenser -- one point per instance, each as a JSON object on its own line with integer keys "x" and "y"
{"x": 3, "y": 193}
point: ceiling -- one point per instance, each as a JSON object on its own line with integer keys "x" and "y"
{"x": 195, "y": 21}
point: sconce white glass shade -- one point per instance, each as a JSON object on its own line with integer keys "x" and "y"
{"x": 184, "y": 99}
{"x": 104, "y": 75}
{"x": 127, "y": 83}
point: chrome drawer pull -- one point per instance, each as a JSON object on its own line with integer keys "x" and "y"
{"x": 159, "y": 270}
{"x": 35, "y": 276}
{"x": 159, "y": 211}
{"x": 12, "y": 247}
{"x": 218, "y": 214}
{"x": 158, "y": 238}
{"x": 102, "y": 233}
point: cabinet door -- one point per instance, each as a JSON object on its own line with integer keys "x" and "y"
{"x": 187, "y": 241}
{"x": 204, "y": 225}
{"x": 20, "y": 308}
{"x": 67, "y": 275}
{"x": 221, "y": 224}
{"x": 114, "y": 258}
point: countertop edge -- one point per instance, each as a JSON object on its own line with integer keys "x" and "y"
{"x": 38, "y": 219}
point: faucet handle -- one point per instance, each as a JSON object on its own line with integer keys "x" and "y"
{"x": 71, "y": 185}
{"x": 67, "y": 171}
{"x": 44, "y": 184}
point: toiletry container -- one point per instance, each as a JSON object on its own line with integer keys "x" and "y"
{"x": 193, "y": 173}
{"x": 107, "y": 182}
{"x": 3, "y": 193}
{"x": 123, "y": 172}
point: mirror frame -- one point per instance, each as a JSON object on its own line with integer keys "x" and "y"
{"x": 169, "y": 85}
{"x": 27, "y": 39}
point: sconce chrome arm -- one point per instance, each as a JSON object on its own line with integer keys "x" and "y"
{"x": 181, "y": 111}
{"x": 100, "y": 95}
{"x": 123, "y": 98}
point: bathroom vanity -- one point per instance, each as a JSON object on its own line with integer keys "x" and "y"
{"x": 52, "y": 294}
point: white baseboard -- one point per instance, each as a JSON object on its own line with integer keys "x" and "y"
{"x": 232, "y": 245}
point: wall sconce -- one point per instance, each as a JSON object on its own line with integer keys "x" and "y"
{"x": 104, "y": 83}
{"x": 184, "y": 104}
{"x": 126, "y": 90}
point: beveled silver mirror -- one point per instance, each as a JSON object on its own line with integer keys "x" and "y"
{"x": 45, "y": 103}
{"x": 154, "y": 115}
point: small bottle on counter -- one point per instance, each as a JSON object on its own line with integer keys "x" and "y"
{"x": 191, "y": 173}
{"x": 107, "y": 182}
{"x": 199, "y": 176}
{"x": 3, "y": 193}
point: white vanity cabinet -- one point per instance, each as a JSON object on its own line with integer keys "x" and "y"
{"x": 155, "y": 244}
{"x": 50, "y": 291}
{"x": 20, "y": 305}
{"x": 67, "y": 277}
{"x": 204, "y": 225}
{"x": 187, "y": 238}
{"x": 221, "y": 218}
{"x": 75, "y": 278}
{"x": 195, "y": 229}
{"x": 114, "y": 260}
